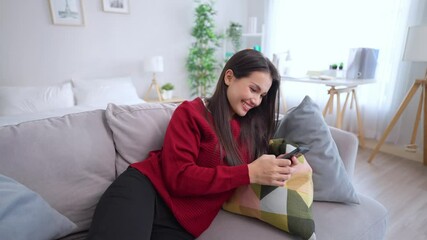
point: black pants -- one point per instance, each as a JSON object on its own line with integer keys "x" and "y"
{"x": 131, "y": 209}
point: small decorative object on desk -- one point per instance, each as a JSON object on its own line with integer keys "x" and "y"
{"x": 340, "y": 71}
{"x": 335, "y": 71}
{"x": 331, "y": 72}
{"x": 167, "y": 91}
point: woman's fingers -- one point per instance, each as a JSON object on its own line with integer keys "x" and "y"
{"x": 294, "y": 161}
{"x": 269, "y": 170}
{"x": 281, "y": 162}
{"x": 280, "y": 181}
{"x": 285, "y": 170}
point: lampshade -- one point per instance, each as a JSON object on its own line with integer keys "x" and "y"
{"x": 416, "y": 44}
{"x": 154, "y": 64}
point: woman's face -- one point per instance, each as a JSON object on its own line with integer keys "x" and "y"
{"x": 246, "y": 93}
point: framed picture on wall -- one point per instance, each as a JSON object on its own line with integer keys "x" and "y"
{"x": 116, "y": 6}
{"x": 67, "y": 12}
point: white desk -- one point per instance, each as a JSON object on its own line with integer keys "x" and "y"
{"x": 338, "y": 86}
{"x": 333, "y": 82}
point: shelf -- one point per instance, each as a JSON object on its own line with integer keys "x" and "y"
{"x": 172, "y": 100}
{"x": 252, "y": 35}
{"x": 249, "y": 40}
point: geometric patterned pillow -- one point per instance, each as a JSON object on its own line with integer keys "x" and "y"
{"x": 287, "y": 208}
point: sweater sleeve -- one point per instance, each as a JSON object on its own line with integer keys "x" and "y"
{"x": 180, "y": 157}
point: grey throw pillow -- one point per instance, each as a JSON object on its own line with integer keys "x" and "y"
{"x": 305, "y": 125}
{"x": 137, "y": 130}
{"x": 24, "y": 214}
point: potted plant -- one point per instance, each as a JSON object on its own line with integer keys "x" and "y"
{"x": 201, "y": 62}
{"x": 167, "y": 90}
{"x": 234, "y": 33}
{"x": 332, "y": 72}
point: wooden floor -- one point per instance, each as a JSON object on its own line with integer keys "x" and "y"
{"x": 401, "y": 186}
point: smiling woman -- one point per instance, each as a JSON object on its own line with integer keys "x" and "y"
{"x": 207, "y": 153}
{"x": 247, "y": 92}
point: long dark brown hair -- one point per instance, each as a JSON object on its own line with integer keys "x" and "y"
{"x": 258, "y": 125}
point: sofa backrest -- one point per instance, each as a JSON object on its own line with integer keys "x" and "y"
{"x": 69, "y": 161}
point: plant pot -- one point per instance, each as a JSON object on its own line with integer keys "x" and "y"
{"x": 167, "y": 94}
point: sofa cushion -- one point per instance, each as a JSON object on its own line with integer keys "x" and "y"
{"x": 334, "y": 221}
{"x": 69, "y": 161}
{"x": 304, "y": 125}
{"x": 137, "y": 130}
{"x": 338, "y": 221}
{"x": 43, "y": 222}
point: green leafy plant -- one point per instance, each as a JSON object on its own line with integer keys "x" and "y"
{"x": 167, "y": 87}
{"x": 234, "y": 33}
{"x": 201, "y": 63}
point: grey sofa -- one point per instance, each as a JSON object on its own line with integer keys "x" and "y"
{"x": 71, "y": 160}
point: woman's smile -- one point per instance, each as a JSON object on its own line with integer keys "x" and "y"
{"x": 247, "y": 106}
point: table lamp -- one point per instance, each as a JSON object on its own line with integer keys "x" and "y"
{"x": 415, "y": 51}
{"x": 154, "y": 65}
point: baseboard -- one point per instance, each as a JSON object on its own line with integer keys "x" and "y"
{"x": 396, "y": 150}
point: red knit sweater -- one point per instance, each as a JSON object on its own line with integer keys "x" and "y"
{"x": 188, "y": 172}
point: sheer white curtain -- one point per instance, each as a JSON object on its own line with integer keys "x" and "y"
{"x": 319, "y": 33}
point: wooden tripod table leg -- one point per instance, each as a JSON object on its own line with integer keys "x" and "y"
{"x": 359, "y": 120}
{"x": 333, "y": 93}
{"x": 345, "y": 105}
{"x": 395, "y": 118}
{"x": 412, "y": 146}
{"x": 339, "y": 114}
{"x": 329, "y": 104}
{"x": 425, "y": 123}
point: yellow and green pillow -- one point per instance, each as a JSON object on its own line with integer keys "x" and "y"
{"x": 287, "y": 208}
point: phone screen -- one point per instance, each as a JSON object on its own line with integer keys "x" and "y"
{"x": 296, "y": 152}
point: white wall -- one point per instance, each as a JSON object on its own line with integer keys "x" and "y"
{"x": 35, "y": 52}
{"x": 256, "y": 8}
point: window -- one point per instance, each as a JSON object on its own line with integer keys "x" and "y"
{"x": 318, "y": 33}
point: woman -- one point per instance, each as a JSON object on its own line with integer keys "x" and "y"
{"x": 211, "y": 147}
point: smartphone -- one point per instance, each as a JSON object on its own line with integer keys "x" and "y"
{"x": 296, "y": 152}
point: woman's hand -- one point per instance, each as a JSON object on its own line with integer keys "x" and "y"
{"x": 294, "y": 160}
{"x": 269, "y": 170}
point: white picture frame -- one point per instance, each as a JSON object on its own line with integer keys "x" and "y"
{"x": 67, "y": 12}
{"x": 116, "y": 6}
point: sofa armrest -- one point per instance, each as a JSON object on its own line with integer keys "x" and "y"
{"x": 347, "y": 144}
